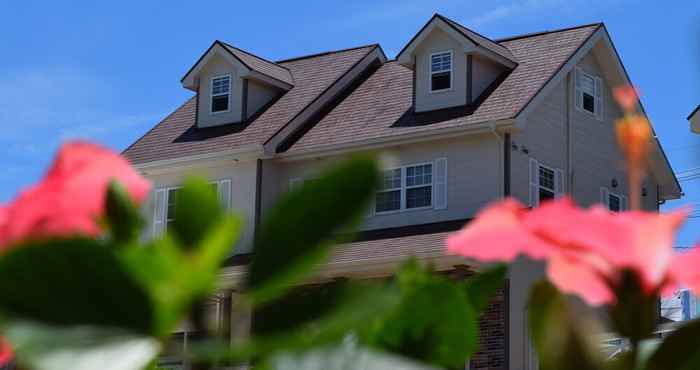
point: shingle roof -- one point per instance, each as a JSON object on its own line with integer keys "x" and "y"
{"x": 381, "y": 106}
{"x": 261, "y": 65}
{"x": 481, "y": 40}
{"x": 177, "y": 136}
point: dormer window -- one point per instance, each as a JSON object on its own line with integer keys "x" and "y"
{"x": 220, "y": 94}
{"x": 441, "y": 71}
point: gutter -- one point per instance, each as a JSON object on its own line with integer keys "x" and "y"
{"x": 247, "y": 152}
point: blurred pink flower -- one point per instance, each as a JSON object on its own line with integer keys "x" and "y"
{"x": 6, "y": 353}
{"x": 586, "y": 250}
{"x": 627, "y": 96}
{"x": 71, "y": 197}
{"x": 685, "y": 268}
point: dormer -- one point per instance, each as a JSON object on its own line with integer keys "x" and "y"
{"x": 232, "y": 85}
{"x": 452, "y": 65}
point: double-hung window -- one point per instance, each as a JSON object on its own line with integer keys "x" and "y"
{"x": 545, "y": 183}
{"x": 220, "y": 94}
{"x": 589, "y": 91}
{"x": 613, "y": 201}
{"x": 441, "y": 71}
{"x": 405, "y": 188}
{"x": 165, "y": 200}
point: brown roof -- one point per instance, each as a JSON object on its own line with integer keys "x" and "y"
{"x": 381, "y": 106}
{"x": 177, "y": 136}
{"x": 480, "y": 39}
{"x": 256, "y": 63}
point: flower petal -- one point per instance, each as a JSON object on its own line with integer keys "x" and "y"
{"x": 578, "y": 278}
{"x": 497, "y": 234}
{"x": 685, "y": 269}
{"x": 6, "y": 353}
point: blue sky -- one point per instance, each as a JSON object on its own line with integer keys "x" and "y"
{"x": 108, "y": 71}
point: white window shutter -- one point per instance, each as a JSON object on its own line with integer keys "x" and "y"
{"x": 223, "y": 189}
{"x": 160, "y": 201}
{"x": 440, "y": 183}
{"x": 295, "y": 183}
{"x": 599, "y": 98}
{"x": 623, "y": 203}
{"x": 578, "y": 94}
{"x": 534, "y": 183}
{"x": 559, "y": 183}
{"x": 605, "y": 197}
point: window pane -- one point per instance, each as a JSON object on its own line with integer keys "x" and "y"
{"x": 219, "y": 103}
{"x": 419, "y": 175}
{"x": 587, "y": 84}
{"x": 614, "y": 203}
{"x": 440, "y": 81}
{"x": 388, "y": 201}
{"x": 588, "y": 102}
{"x": 546, "y": 195}
{"x": 547, "y": 178}
{"x": 170, "y": 212}
{"x": 220, "y": 85}
{"x": 419, "y": 197}
{"x": 441, "y": 62}
{"x": 391, "y": 179}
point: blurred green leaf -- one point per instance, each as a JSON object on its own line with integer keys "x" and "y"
{"x": 482, "y": 286}
{"x": 122, "y": 215}
{"x": 560, "y": 335}
{"x": 72, "y": 282}
{"x": 435, "y": 322}
{"x": 636, "y": 313}
{"x": 361, "y": 305}
{"x": 298, "y": 232}
{"x": 43, "y": 347}
{"x": 678, "y": 351}
{"x": 176, "y": 278}
{"x": 342, "y": 357}
{"x": 197, "y": 210}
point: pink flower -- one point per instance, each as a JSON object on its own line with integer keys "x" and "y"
{"x": 627, "y": 96}
{"x": 6, "y": 353}
{"x": 685, "y": 268}
{"x": 71, "y": 197}
{"x": 586, "y": 250}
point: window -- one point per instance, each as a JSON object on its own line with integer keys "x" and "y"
{"x": 409, "y": 187}
{"x": 547, "y": 181}
{"x": 220, "y": 94}
{"x": 389, "y": 194}
{"x": 612, "y": 201}
{"x": 170, "y": 212}
{"x": 589, "y": 94}
{"x": 441, "y": 71}
{"x": 222, "y": 188}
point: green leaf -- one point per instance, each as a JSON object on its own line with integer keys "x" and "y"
{"x": 197, "y": 210}
{"x": 563, "y": 339}
{"x": 482, "y": 286}
{"x": 362, "y": 305}
{"x": 72, "y": 282}
{"x": 678, "y": 351}
{"x": 43, "y": 347}
{"x": 122, "y": 216}
{"x": 343, "y": 357}
{"x": 175, "y": 278}
{"x": 635, "y": 313}
{"x": 298, "y": 232}
{"x": 435, "y": 322}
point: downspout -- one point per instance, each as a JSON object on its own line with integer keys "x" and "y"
{"x": 569, "y": 153}
{"x": 502, "y": 188}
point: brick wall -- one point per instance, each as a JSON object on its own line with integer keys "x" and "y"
{"x": 491, "y": 352}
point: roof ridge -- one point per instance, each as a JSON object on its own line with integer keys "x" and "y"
{"x": 326, "y": 53}
{"x": 540, "y": 33}
{"x": 470, "y": 29}
{"x": 253, "y": 55}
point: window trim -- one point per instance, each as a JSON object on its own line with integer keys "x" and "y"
{"x": 597, "y": 95}
{"x": 431, "y": 73}
{"x": 404, "y": 187}
{"x": 212, "y": 95}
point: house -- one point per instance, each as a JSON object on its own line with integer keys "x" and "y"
{"x": 466, "y": 119}
{"x": 694, "y": 119}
